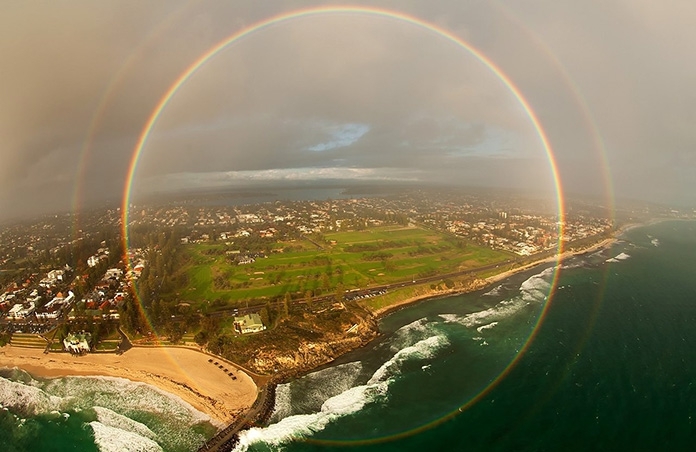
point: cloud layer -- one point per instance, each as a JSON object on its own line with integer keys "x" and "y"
{"x": 347, "y": 95}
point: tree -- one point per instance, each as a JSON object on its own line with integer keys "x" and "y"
{"x": 265, "y": 316}
{"x": 286, "y": 304}
{"x": 325, "y": 281}
{"x": 340, "y": 293}
{"x": 201, "y": 337}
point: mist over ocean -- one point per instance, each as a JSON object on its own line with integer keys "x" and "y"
{"x": 612, "y": 367}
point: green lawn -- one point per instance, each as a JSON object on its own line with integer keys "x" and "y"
{"x": 355, "y": 259}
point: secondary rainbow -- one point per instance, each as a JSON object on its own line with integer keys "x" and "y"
{"x": 390, "y": 15}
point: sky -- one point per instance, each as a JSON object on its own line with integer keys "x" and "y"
{"x": 345, "y": 96}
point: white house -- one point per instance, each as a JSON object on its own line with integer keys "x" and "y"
{"x": 21, "y": 311}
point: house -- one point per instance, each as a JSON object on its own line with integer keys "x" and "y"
{"x": 114, "y": 273}
{"x": 52, "y": 278}
{"x": 77, "y": 343}
{"x": 250, "y": 323}
{"x": 55, "y": 307}
{"x": 21, "y": 311}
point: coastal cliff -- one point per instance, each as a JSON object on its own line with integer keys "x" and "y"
{"x": 305, "y": 338}
{"x": 311, "y": 336}
{"x": 311, "y": 354}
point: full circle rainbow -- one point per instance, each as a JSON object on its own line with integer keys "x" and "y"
{"x": 391, "y": 15}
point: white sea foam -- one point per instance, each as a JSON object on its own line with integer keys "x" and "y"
{"x": 314, "y": 389}
{"x": 173, "y": 418}
{"x": 112, "y": 439}
{"x": 28, "y": 400}
{"x": 301, "y": 425}
{"x": 493, "y": 314}
{"x": 419, "y": 325}
{"x": 533, "y": 290}
{"x": 329, "y": 382}
{"x": 113, "y": 391}
{"x": 422, "y": 349}
{"x": 408, "y": 334}
{"x": 449, "y": 318}
{"x": 347, "y": 402}
{"x": 576, "y": 263}
{"x": 496, "y": 291}
{"x": 486, "y": 327}
{"x": 536, "y": 288}
{"x": 337, "y": 378}
{"x": 618, "y": 258}
{"x": 110, "y": 418}
{"x": 655, "y": 242}
{"x": 283, "y": 403}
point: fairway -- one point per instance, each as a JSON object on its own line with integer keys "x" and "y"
{"x": 345, "y": 261}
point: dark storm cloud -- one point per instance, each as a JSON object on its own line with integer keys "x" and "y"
{"x": 347, "y": 95}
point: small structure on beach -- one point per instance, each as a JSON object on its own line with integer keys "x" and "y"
{"x": 250, "y": 323}
{"x": 77, "y": 344}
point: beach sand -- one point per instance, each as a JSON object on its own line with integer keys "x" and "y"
{"x": 606, "y": 243}
{"x": 179, "y": 371}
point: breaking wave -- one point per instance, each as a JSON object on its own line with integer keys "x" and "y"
{"x": 486, "y": 327}
{"x": 619, "y": 257}
{"x": 348, "y": 402}
{"x": 117, "y": 392}
{"x": 307, "y": 394}
{"x": 112, "y": 439}
{"x": 495, "y": 292}
{"x": 111, "y": 406}
{"x": 534, "y": 290}
{"x": 283, "y": 403}
{"x": 537, "y": 288}
{"x": 301, "y": 425}
{"x": 423, "y": 349}
{"x": 110, "y": 418}
{"x": 408, "y": 334}
{"x": 28, "y": 400}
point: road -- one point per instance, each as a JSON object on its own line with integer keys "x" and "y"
{"x": 398, "y": 285}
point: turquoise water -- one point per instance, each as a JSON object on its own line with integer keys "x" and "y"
{"x": 94, "y": 413}
{"x": 611, "y": 367}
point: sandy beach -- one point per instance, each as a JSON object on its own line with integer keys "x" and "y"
{"x": 501, "y": 276}
{"x": 179, "y": 371}
{"x": 567, "y": 254}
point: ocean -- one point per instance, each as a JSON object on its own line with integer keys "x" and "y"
{"x": 94, "y": 414}
{"x": 610, "y": 366}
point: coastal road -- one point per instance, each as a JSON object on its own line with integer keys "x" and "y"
{"x": 397, "y": 285}
{"x": 412, "y": 282}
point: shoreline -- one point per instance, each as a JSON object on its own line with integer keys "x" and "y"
{"x": 203, "y": 385}
{"x": 487, "y": 282}
{"x": 481, "y": 284}
{"x": 184, "y": 373}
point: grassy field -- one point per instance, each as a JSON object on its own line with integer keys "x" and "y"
{"x": 348, "y": 260}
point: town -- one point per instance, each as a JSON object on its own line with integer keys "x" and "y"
{"x": 69, "y": 273}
